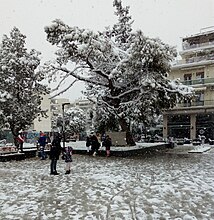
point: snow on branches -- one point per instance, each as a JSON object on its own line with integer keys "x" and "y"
{"x": 21, "y": 90}
{"x": 125, "y": 71}
{"x": 74, "y": 118}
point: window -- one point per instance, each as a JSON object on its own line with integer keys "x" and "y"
{"x": 187, "y": 103}
{"x": 200, "y": 78}
{"x": 199, "y": 99}
{"x": 188, "y": 79}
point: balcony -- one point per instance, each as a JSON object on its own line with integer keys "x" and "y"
{"x": 204, "y": 103}
{"x": 187, "y": 46}
{"x": 198, "y": 81}
{"x": 192, "y": 60}
{"x": 200, "y": 58}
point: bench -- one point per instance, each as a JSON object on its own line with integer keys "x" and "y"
{"x": 12, "y": 156}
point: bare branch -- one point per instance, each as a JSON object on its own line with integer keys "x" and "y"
{"x": 64, "y": 90}
{"x": 94, "y": 70}
{"x": 124, "y": 93}
{"x": 59, "y": 84}
{"x": 81, "y": 78}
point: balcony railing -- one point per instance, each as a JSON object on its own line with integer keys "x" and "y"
{"x": 187, "y": 46}
{"x": 197, "y": 59}
{"x": 198, "y": 81}
{"x": 204, "y": 103}
{"x": 200, "y": 58}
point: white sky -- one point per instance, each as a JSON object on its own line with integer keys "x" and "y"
{"x": 170, "y": 20}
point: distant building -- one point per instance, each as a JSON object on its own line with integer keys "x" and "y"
{"x": 54, "y": 107}
{"x": 196, "y": 68}
{"x": 41, "y": 123}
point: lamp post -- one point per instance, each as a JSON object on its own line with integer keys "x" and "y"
{"x": 63, "y": 121}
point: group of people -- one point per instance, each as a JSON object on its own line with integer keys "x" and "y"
{"x": 94, "y": 144}
{"x": 55, "y": 151}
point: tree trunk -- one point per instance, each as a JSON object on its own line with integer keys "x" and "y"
{"x": 125, "y": 127}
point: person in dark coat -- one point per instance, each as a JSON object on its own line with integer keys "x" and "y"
{"x": 94, "y": 145}
{"x": 55, "y": 152}
{"x": 107, "y": 143}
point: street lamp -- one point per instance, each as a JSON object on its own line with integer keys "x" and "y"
{"x": 63, "y": 121}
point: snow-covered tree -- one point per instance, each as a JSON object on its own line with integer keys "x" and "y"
{"x": 125, "y": 71}
{"x": 20, "y": 83}
{"x": 105, "y": 122}
{"x": 75, "y": 120}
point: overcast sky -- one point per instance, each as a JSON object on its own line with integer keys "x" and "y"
{"x": 170, "y": 20}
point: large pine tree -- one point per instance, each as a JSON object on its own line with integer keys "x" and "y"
{"x": 19, "y": 82}
{"x": 125, "y": 71}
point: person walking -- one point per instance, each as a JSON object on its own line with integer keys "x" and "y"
{"x": 55, "y": 152}
{"x": 67, "y": 156}
{"x": 42, "y": 141}
{"x": 107, "y": 143}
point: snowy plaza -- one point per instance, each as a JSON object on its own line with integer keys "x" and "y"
{"x": 162, "y": 186}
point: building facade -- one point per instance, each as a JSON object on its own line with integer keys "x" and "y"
{"x": 54, "y": 109}
{"x": 196, "y": 68}
{"x": 43, "y": 123}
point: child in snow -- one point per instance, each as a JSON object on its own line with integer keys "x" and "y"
{"x": 67, "y": 156}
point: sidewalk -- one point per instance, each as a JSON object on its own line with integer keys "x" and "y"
{"x": 189, "y": 148}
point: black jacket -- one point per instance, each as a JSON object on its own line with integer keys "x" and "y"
{"x": 55, "y": 150}
{"x": 107, "y": 143}
{"x": 94, "y": 142}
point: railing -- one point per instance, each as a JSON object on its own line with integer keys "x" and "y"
{"x": 200, "y": 58}
{"x": 198, "y": 81}
{"x": 194, "y": 60}
{"x": 196, "y": 103}
{"x": 187, "y": 46}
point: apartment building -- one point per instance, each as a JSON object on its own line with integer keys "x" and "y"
{"x": 196, "y": 68}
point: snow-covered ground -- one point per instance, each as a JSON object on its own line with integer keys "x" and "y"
{"x": 170, "y": 186}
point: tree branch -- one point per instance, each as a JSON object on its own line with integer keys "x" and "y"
{"x": 81, "y": 78}
{"x": 64, "y": 90}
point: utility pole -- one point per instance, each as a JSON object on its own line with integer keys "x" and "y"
{"x": 63, "y": 121}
